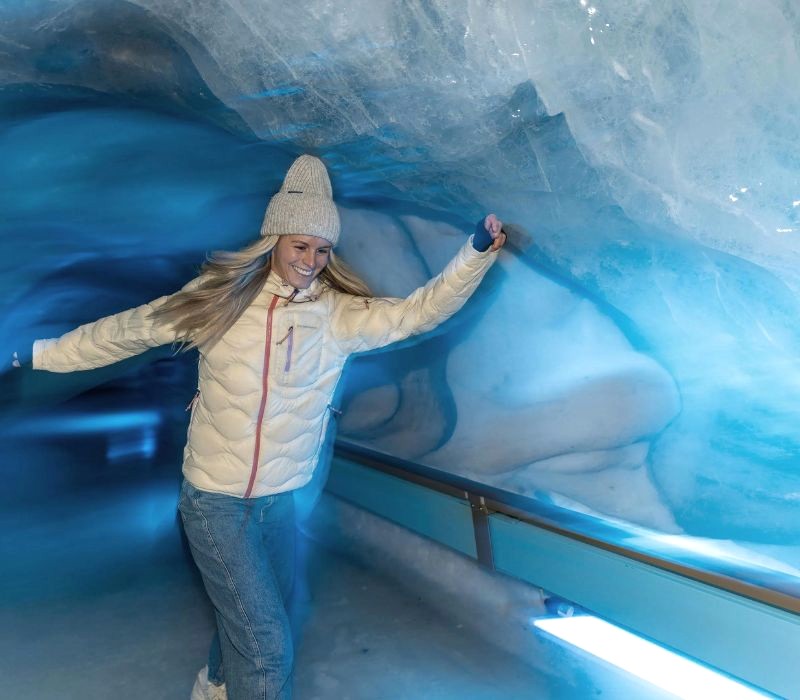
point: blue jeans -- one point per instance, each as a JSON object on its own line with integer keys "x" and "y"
{"x": 244, "y": 548}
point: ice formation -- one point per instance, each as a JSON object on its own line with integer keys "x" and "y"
{"x": 635, "y": 353}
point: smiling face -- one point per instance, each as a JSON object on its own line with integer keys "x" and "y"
{"x": 299, "y": 259}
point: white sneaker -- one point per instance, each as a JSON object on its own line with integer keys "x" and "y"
{"x": 203, "y": 690}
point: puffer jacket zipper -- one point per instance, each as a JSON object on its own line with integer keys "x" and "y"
{"x": 196, "y": 396}
{"x": 264, "y": 393}
{"x": 190, "y": 409}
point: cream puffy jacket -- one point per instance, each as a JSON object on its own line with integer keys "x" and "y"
{"x": 263, "y": 401}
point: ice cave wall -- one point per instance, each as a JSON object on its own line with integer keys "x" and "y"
{"x": 637, "y": 345}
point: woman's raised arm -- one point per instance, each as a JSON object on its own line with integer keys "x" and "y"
{"x": 106, "y": 340}
{"x": 359, "y": 324}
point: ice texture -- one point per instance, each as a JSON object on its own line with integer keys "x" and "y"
{"x": 635, "y": 351}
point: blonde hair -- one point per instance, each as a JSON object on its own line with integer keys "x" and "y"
{"x": 228, "y": 283}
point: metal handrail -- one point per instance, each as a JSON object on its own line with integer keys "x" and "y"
{"x": 571, "y": 525}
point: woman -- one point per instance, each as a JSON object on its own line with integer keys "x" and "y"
{"x": 274, "y": 324}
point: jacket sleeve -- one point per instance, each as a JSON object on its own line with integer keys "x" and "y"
{"x": 107, "y": 340}
{"x": 359, "y": 324}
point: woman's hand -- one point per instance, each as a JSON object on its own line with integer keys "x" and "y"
{"x": 495, "y": 228}
{"x": 11, "y": 380}
{"x": 23, "y": 358}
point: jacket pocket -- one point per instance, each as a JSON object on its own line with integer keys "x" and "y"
{"x": 299, "y": 354}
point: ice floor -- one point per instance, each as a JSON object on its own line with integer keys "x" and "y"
{"x": 101, "y": 607}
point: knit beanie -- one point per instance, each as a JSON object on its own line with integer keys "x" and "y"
{"x": 304, "y": 203}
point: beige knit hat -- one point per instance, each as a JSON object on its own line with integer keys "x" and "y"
{"x": 304, "y": 203}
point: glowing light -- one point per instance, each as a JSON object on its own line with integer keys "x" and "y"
{"x": 733, "y": 198}
{"x": 592, "y": 10}
{"x": 592, "y": 40}
{"x": 743, "y": 189}
{"x": 796, "y": 203}
{"x": 784, "y": 230}
{"x": 135, "y": 444}
{"x": 653, "y": 663}
{"x": 84, "y": 423}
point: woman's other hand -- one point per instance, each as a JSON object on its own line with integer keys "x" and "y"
{"x": 12, "y": 377}
{"x": 22, "y": 358}
{"x": 495, "y": 228}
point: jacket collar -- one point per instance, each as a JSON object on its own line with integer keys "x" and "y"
{"x": 275, "y": 285}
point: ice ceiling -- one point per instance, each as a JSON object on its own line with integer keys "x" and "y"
{"x": 636, "y": 352}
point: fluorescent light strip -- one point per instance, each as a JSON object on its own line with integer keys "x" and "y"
{"x": 653, "y": 663}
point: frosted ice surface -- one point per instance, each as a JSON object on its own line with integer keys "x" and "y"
{"x": 689, "y": 110}
{"x": 641, "y": 337}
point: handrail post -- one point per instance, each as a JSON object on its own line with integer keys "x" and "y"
{"x": 480, "y": 524}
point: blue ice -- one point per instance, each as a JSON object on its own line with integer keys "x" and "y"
{"x": 634, "y": 355}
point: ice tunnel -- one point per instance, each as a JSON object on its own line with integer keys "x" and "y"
{"x": 608, "y": 429}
